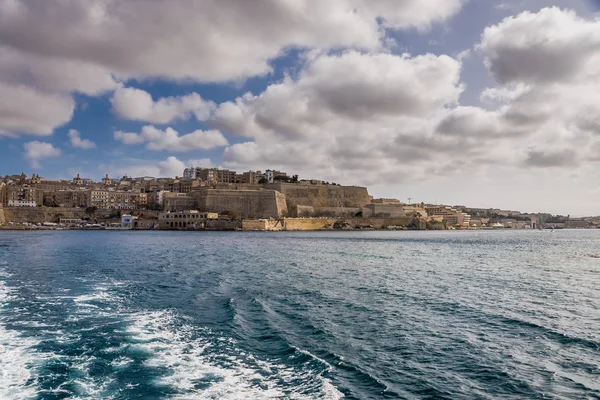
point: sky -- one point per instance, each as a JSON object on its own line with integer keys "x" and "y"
{"x": 481, "y": 103}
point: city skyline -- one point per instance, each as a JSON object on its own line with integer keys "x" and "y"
{"x": 487, "y": 104}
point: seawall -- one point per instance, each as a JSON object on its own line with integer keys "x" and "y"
{"x": 315, "y": 224}
{"x": 40, "y": 214}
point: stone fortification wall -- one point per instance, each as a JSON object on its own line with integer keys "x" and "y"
{"x": 41, "y": 214}
{"x": 262, "y": 225}
{"x": 2, "y": 217}
{"x": 319, "y": 196}
{"x": 348, "y": 212}
{"x": 307, "y": 224}
{"x": 223, "y": 225}
{"x": 245, "y": 203}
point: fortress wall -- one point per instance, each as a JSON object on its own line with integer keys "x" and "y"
{"x": 245, "y": 203}
{"x": 319, "y": 196}
{"x": 2, "y": 217}
{"x": 41, "y": 214}
{"x": 308, "y": 224}
{"x": 222, "y": 225}
{"x": 262, "y": 225}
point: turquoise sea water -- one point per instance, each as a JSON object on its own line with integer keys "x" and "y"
{"x": 354, "y": 315}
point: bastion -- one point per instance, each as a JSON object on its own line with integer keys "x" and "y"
{"x": 242, "y": 203}
{"x": 322, "y": 196}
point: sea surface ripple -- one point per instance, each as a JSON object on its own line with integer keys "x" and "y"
{"x": 308, "y": 315}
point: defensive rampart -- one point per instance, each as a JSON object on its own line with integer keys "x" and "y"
{"x": 2, "y": 217}
{"x": 244, "y": 203}
{"x": 41, "y": 214}
{"x": 319, "y": 196}
{"x": 308, "y": 224}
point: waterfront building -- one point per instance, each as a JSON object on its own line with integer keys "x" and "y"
{"x": 450, "y": 215}
{"x": 126, "y": 221}
{"x": 187, "y": 219}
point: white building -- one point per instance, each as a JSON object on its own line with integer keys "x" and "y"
{"x": 21, "y": 203}
{"x": 126, "y": 221}
{"x": 269, "y": 176}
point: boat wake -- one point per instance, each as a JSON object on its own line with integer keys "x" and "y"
{"x": 100, "y": 348}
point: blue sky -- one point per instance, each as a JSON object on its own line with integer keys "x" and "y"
{"x": 413, "y": 100}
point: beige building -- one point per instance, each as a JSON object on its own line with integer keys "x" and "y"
{"x": 188, "y": 219}
{"x": 119, "y": 200}
{"x": 3, "y": 193}
{"x": 66, "y": 198}
{"x": 450, "y": 215}
{"x": 24, "y": 193}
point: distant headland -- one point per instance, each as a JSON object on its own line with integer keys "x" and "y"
{"x": 221, "y": 199}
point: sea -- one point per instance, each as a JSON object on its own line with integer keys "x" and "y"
{"x": 305, "y": 315}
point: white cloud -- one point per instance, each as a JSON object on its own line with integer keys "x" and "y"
{"x": 137, "y": 104}
{"x": 51, "y": 50}
{"x": 54, "y": 74}
{"x": 169, "y": 139}
{"x": 168, "y": 168}
{"x": 172, "y": 166}
{"x": 78, "y": 142}
{"x": 204, "y": 40}
{"x": 36, "y": 151}
{"x": 552, "y": 45}
{"x": 345, "y": 116}
{"x": 200, "y": 162}
{"x": 24, "y": 109}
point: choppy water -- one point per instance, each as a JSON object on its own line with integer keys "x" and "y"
{"x": 358, "y": 315}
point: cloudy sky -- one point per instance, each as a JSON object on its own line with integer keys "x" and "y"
{"x": 479, "y": 102}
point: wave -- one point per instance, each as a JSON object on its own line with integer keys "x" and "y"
{"x": 214, "y": 368}
{"x": 16, "y": 378}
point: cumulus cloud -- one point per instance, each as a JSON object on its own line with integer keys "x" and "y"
{"x": 138, "y": 105}
{"x": 28, "y": 110}
{"x": 345, "y": 115}
{"x": 168, "y": 168}
{"x": 546, "y": 66}
{"x": 552, "y": 45}
{"x": 36, "y": 151}
{"x": 78, "y": 142}
{"x": 547, "y": 159}
{"x": 169, "y": 139}
{"x": 216, "y": 40}
{"x": 55, "y": 49}
{"x": 172, "y": 166}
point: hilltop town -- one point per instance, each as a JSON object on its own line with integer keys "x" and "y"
{"x": 221, "y": 199}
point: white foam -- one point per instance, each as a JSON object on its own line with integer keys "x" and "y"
{"x": 16, "y": 380}
{"x": 188, "y": 363}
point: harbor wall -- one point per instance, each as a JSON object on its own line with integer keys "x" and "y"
{"x": 2, "y": 217}
{"x": 41, "y": 214}
{"x": 307, "y": 224}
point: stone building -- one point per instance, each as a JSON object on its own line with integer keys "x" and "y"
{"x": 188, "y": 219}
